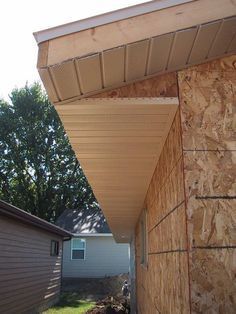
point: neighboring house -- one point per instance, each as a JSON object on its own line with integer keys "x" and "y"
{"x": 30, "y": 261}
{"x": 147, "y": 98}
{"x": 92, "y": 252}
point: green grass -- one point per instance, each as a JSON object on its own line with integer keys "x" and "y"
{"x": 70, "y": 303}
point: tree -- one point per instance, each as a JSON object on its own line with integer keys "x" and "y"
{"x": 39, "y": 171}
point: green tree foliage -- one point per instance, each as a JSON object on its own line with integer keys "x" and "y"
{"x": 39, "y": 172}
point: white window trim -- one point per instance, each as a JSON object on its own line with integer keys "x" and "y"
{"x": 71, "y": 249}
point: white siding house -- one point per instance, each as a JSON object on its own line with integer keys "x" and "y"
{"x": 92, "y": 252}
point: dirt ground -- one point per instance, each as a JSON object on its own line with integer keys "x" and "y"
{"x": 111, "y": 305}
{"x": 95, "y": 288}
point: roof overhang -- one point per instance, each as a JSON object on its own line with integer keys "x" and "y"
{"x": 92, "y": 235}
{"x": 18, "y": 214}
{"x": 118, "y": 143}
{"x": 105, "y": 56}
{"x": 87, "y": 57}
{"x": 105, "y": 18}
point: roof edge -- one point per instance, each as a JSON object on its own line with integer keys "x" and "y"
{"x": 92, "y": 235}
{"x": 105, "y": 18}
{"x": 17, "y": 213}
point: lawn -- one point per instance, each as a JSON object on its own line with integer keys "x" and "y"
{"x": 70, "y": 303}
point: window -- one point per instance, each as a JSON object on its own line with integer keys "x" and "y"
{"x": 144, "y": 252}
{"x": 54, "y": 248}
{"x": 78, "y": 248}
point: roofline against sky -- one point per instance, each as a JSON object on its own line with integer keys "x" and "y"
{"x": 25, "y": 217}
{"x": 92, "y": 235}
{"x": 105, "y": 18}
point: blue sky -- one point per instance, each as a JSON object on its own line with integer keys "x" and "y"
{"x": 19, "y": 19}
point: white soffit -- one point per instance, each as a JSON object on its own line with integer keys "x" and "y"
{"x": 118, "y": 143}
{"x": 85, "y": 76}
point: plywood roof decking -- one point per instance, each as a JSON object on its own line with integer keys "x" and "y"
{"x": 118, "y": 142}
{"x": 83, "y": 76}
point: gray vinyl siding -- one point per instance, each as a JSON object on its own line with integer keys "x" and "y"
{"x": 30, "y": 278}
{"x": 103, "y": 257}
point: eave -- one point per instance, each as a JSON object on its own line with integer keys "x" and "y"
{"x": 114, "y": 53}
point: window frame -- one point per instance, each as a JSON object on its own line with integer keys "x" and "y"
{"x": 71, "y": 249}
{"x": 54, "y": 244}
{"x": 144, "y": 240}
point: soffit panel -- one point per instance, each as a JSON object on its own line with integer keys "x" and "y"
{"x": 113, "y": 66}
{"x": 224, "y": 37}
{"x": 119, "y": 166}
{"x": 82, "y": 77}
{"x": 203, "y": 42}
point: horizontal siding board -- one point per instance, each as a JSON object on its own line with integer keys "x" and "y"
{"x": 114, "y": 118}
{"x": 113, "y": 133}
{"x": 107, "y": 126}
{"x": 21, "y": 248}
{"x": 36, "y": 274}
{"x": 28, "y": 267}
{"x": 28, "y": 273}
{"x": 24, "y": 231}
{"x": 11, "y": 240}
{"x": 38, "y": 293}
{"x": 117, "y": 140}
{"x": 103, "y": 257}
{"x": 32, "y": 303}
{"x": 28, "y": 283}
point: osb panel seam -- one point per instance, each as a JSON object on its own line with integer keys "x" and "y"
{"x": 166, "y": 252}
{"x": 185, "y": 200}
{"x": 207, "y": 100}
{"x": 169, "y": 213}
{"x": 164, "y": 182}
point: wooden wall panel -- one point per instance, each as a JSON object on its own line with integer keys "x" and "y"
{"x": 207, "y": 103}
{"x": 164, "y": 85}
{"x": 213, "y": 281}
{"x": 207, "y": 94}
{"x": 163, "y": 286}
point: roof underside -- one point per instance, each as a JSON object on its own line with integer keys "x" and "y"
{"x": 111, "y": 55}
{"x": 118, "y": 142}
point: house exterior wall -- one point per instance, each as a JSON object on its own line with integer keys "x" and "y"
{"x": 208, "y": 109}
{"x": 103, "y": 257}
{"x": 190, "y": 203}
{"x": 162, "y": 286}
{"x": 30, "y": 278}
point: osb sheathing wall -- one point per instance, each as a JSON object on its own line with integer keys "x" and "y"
{"x": 193, "y": 189}
{"x": 163, "y": 287}
{"x": 208, "y": 110}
